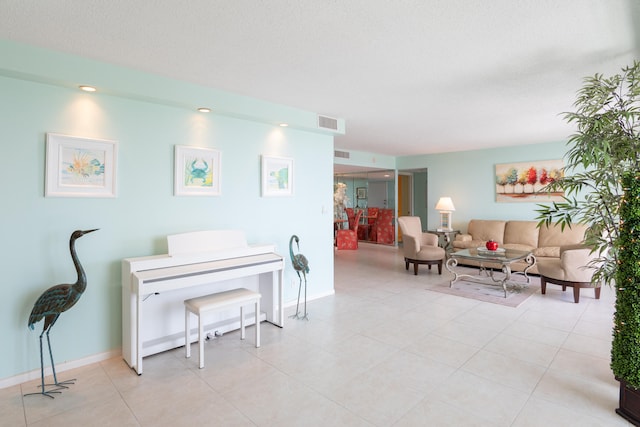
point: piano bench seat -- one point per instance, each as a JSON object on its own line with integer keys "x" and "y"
{"x": 214, "y": 302}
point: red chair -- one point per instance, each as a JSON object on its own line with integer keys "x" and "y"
{"x": 351, "y": 216}
{"x": 364, "y": 230}
{"x": 348, "y": 239}
{"x": 383, "y": 230}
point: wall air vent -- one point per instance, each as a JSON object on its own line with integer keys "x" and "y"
{"x": 341, "y": 154}
{"x": 325, "y": 122}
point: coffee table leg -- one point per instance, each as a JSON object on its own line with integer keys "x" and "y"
{"x": 531, "y": 260}
{"x": 452, "y": 262}
{"x": 506, "y": 269}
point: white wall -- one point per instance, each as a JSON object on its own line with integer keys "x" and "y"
{"x": 35, "y": 230}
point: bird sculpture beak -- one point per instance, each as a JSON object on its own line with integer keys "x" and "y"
{"x": 90, "y": 231}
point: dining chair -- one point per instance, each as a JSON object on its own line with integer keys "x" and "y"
{"x": 383, "y": 230}
{"x": 348, "y": 239}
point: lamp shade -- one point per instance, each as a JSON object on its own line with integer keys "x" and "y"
{"x": 445, "y": 204}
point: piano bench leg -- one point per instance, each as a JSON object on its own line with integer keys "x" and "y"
{"x": 187, "y": 333}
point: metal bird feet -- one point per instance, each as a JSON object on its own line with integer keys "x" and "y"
{"x": 53, "y": 302}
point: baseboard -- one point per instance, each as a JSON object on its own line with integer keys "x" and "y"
{"x": 311, "y": 298}
{"x": 60, "y": 367}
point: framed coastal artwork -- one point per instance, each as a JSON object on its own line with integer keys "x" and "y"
{"x": 80, "y": 167}
{"x": 526, "y": 181}
{"x": 277, "y": 176}
{"x": 197, "y": 171}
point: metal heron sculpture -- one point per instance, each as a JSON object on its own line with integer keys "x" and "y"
{"x": 54, "y": 301}
{"x": 300, "y": 264}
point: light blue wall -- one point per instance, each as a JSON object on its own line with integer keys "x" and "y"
{"x": 35, "y": 230}
{"x": 468, "y": 177}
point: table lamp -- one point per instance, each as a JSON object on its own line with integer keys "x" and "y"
{"x": 445, "y": 206}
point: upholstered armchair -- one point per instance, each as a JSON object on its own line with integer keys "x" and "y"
{"x": 572, "y": 269}
{"x": 348, "y": 239}
{"x": 419, "y": 248}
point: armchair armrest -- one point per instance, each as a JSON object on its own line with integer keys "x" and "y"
{"x": 576, "y": 262}
{"x": 464, "y": 237}
{"x": 410, "y": 245}
{"x": 429, "y": 239}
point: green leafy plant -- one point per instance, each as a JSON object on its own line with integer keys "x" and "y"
{"x": 605, "y": 147}
{"x": 603, "y": 191}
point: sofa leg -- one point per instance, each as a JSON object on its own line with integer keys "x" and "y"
{"x": 543, "y": 285}
{"x": 415, "y": 268}
{"x": 576, "y": 293}
{"x": 406, "y": 264}
{"x": 597, "y": 292}
{"x": 440, "y": 267}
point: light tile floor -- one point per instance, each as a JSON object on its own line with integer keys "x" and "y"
{"x": 383, "y": 351}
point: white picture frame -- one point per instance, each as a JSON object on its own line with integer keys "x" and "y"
{"x": 277, "y": 176}
{"x": 197, "y": 171}
{"x": 80, "y": 167}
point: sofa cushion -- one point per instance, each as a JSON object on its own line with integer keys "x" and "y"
{"x": 483, "y": 230}
{"x": 548, "y": 251}
{"x": 519, "y": 247}
{"x": 552, "y": 236}
{"x": 468, "y": 244}
{"x": 522, "y": 233}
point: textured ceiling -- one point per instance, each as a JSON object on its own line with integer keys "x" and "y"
{"x": 408, "y": 76}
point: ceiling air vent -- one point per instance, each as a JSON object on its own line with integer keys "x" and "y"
{"x": 325, "y": 122}
{"x": 342, "y": 154}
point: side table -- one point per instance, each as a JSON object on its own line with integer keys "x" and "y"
{"x": 447, "y": 237}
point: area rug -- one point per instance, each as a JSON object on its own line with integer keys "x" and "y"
{"x": 516, "y": 295}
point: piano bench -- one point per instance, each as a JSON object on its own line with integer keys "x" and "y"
{"x": 218, "y": 301}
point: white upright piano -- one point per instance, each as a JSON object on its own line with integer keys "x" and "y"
{"x": 199, "y": 263}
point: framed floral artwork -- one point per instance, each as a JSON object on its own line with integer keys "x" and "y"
{"x": 277, "y": 176}
{"x": 197, "y": 171}
{"x": 80, "y": 167}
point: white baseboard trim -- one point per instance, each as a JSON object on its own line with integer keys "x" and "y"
{"x": 61, "y": 367}
{"x": 309, "y": 298}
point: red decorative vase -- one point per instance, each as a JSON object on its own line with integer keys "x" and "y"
{"x": 492, "y": 245}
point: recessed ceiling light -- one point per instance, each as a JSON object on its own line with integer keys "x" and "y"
{"x": 284, "y": 125}
{"x": 204, "y": 110}
{"x": 87, "y": 88}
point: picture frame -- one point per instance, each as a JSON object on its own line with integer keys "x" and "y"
{"x": 361, "y": 192}
{"x": 197, "y": 171}
{"x": 277, "y": 176}
{"x": 526, "y": 181}
{"x": 80, "y": 167}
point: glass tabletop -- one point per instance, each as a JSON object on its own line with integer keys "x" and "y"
{"x": 482, "y": 254}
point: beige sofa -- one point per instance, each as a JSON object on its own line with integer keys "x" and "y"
{"x": 543, "y": 242}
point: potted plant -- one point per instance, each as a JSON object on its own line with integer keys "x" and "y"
{"x": 602, "y": 191}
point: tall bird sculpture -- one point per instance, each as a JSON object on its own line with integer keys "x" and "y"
{"x": 300, "y": 264}
{"x": 54, "y": 301}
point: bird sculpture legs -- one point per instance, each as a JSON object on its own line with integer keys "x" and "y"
{"x": 306, "y": 315}
{"x": 59, "y": 385}
{"x": 297, "y": 315}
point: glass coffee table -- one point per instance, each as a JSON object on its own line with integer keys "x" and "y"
{"x": 502, "y": 257}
